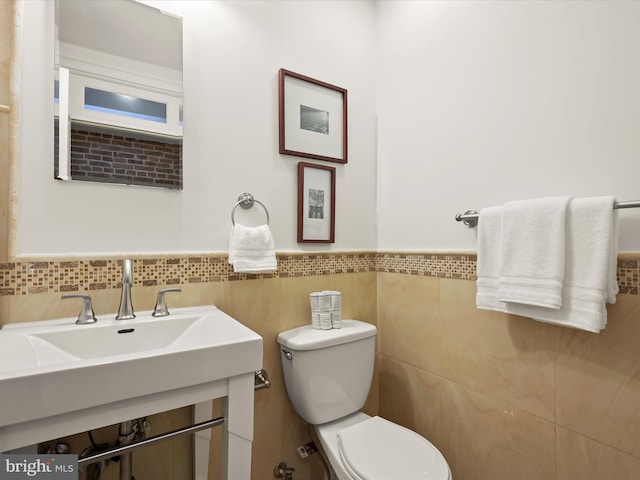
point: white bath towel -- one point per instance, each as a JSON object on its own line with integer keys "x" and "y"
{"x": 590, "y": 276}
{"x": 532, "y": 251}
{"x": 612, "y": 267}
{"x": 489, "y": 235}
{"x": 252, "y": 249}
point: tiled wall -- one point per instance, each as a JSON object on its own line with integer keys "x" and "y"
{"x": 268, "y": 304}
{"x": 75, "y": 275}
{"x": 503, "y": 397}
{"x": 506, "y": 397}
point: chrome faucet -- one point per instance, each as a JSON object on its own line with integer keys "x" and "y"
{"x": 125, "y": 312}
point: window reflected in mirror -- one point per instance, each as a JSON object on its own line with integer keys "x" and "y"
{"x": 118, "y": 104}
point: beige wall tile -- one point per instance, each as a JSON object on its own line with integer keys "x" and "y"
{"x": 345, "y": 284}
{"x": 47, "y": 306}
{"x": 580, "y": 458}
{"x": 268, "y": 306}
{"x": 167, "y": 457}
{"x": 4, "y": 309}
{"x": 144, "y": 298}
{"x": 507, "y": 357}
{"x": 501, "y": 369}
{"x": 409, "y": 319}
{"x": 598, "y": 379}
{"x": 4, "y": 180}
{"x": 268, "y": 435}
{"x": 487, "y": 439}
{"x": 412, "y": 398}
{"x": 358, "y": 296}
{"x": 372, "y": 405}
{"x": 480, "y": 385}
{"x": 358, "y": 301}
{"x": 5, "y": 49}
{"x": 295, "y": 432}
{"x": 170, "y": 459}
{"x": 365, "y": 307}
{"x": 296, "y": 309}
{"x": 258, "y": 305}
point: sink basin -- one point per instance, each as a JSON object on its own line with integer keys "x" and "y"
{"x": 121, "y": 338}
{"x": 55, "y": 367}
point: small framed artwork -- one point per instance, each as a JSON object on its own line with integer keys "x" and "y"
{"x": 316, "y": 203}
{"x": 312, "y": 118}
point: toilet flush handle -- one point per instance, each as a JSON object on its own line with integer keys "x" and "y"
{"x": 286, "y": 354}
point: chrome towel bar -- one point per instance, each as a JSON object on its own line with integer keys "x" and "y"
{"x": 111, "y": 452}
{"x": 261, "y": 380}
{"x": 470, "y": 217}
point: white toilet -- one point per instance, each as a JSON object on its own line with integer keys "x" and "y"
{"x": 328, "y": 375}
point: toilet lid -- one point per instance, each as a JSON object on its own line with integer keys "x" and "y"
{"x": 379, "y": 449}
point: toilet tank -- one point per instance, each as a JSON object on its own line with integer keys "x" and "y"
{"x": 328, "y": 373}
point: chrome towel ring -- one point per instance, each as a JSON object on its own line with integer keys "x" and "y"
{"x": 246, "y": 200}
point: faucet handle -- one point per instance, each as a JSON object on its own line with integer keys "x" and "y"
{"x": 86, "y": 315}
{"x": 161, "y": 309}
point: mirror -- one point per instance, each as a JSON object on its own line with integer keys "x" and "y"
{"x": 118, "y": 93}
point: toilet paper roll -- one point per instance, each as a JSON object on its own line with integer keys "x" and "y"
{"x": 336, "y": 319}
{"x": 320, "y": 301}
{"x": 335, "y": 298}
{"x": 325, "y": 320}
{"x": 315, "y": 320}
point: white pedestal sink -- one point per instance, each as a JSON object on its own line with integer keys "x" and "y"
{"x": 58, "y": 378}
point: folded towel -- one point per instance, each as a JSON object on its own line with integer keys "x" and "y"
{"x": 590, "y": 276}
{"x": 612, "y": 266}
{"x": 532, "y": 251}
{"x": 489, "y": 234}
{"x": 252, "y": 250}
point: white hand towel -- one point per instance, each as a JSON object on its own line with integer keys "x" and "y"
{"x": 489, "y": 234}
{"x": 532, "y": 251}
{"x": 612, "y": 267}
{"x": 590, "y": 277}
{"x": 252, "y": 250}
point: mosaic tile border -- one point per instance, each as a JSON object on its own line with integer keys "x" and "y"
{"x": 59, "y": 276}
{"x": 458, "y": 266}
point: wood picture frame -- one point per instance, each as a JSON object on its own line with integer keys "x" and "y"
{"x": 312, "y": 118}
{"x": 316, "y": 203}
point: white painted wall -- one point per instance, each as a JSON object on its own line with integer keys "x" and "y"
{"x": 233, "y": 51}
{"x": 484, "y": 102}
{"x": 476, "y": 103}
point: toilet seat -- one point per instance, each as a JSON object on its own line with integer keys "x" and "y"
{"x": 365, "y": 452}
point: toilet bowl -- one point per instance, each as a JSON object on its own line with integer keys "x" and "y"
{"x": 360, "y": 447}
{"x": 328, "y": 375}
